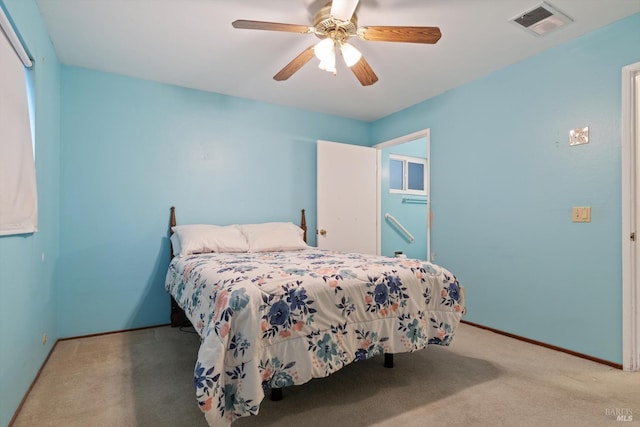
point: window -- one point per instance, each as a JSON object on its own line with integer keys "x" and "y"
{"x": 18, "y": 196}
{"x": 407, "y": 175}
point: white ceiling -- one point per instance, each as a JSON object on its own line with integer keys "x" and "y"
{"x": 191, "y": 43}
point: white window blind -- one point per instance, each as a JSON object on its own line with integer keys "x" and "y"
{"x": 18, "y": 195}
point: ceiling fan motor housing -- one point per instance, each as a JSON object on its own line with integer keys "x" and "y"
{"x": 327, "y": 25}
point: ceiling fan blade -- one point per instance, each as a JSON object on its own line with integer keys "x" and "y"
{"x": 272, "y": 26}
{"x": 429, "y": 35}
{"x": 296, "y": 64}
{"x": 343, "y": 9}
{"x": 364, "y": 73}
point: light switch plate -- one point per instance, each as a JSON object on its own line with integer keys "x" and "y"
{"x": 581, "y": 214}
{"x": 579, "y": 136}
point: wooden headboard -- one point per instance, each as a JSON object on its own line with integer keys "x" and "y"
{"x": 178, "y": 317}
{"x": 173, "y": 223}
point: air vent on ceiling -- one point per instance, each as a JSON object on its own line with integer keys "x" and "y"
{"x": 541, "y": 20}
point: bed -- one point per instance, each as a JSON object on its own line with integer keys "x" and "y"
{"x": 273, "y": 312}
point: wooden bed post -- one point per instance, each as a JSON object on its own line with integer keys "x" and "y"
{"x": 172, "y": 223}
{"x": 303, "y": 225}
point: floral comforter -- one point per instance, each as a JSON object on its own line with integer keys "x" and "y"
{"x": 275, "y": 319}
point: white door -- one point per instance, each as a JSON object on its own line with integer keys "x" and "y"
{"x": 630, "y": 217}
{"x": 347, "y": 198}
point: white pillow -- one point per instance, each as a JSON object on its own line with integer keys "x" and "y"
{"x": 274, "y": 236}
{"x": 201, "y": 238}
{"x": 175, "y": 244}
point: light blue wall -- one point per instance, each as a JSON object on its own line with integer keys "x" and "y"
{"x": 504, "y": 180}
{"x": 412, "y": 216}
{"x": 132, "y": 149}
{"x": 27, "y": 285}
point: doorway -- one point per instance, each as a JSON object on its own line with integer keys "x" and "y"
{"x": 630, "y": 217}
{"x": 404, "y": 206}
{"x": 346, "y": 222}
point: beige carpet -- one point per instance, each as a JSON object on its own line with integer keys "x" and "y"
{"x": 144, "y": 378}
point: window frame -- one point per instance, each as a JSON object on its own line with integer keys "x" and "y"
{"x": 405, "y": 174}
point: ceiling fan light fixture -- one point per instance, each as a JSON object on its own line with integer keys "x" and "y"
{"x": 350, "y": 54}
{"x": 328, "y": 64}
{"x": 324, "y": 49}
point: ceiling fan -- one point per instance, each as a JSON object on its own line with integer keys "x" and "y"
{"x": 335, "y": 24}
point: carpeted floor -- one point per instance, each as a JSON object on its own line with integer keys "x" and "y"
{"x": 144, "y": 378}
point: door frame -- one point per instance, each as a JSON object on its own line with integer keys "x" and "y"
{"x": 630, "y": 219}
{"x": 424, "y": 133}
